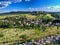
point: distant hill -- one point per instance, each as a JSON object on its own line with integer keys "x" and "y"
{"x": 54, "y": 14}
{"x": 29, "y": 12}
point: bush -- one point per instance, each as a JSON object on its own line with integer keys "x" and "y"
{"x": 1, "y": 34}
{"x": 23, "y": 36}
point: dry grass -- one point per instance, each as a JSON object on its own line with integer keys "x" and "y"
{"x": 30, "y": 16}
{"x": 27, "y": 16}
{"x": 14, "y": 34}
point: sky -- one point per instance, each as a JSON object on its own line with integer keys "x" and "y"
{"x": 29, "y": 5}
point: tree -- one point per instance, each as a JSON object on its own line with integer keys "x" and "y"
{"x": 1, "y": 34}
{"x": 47, "y": 16}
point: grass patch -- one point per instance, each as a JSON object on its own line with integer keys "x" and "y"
{"x": 12, "y": 35}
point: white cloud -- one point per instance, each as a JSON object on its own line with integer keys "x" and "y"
{"x": 27, "y": 0}
{"x": 47, "y": 8}
{"x": 20, "y": 0}
{"x": 51, "y": 8}
{"x": 33, "y": 9}
{"x": 15, "y": 1}
{"x": 4, "y": 4}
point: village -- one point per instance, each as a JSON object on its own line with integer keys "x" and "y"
{"x": 23, "y": 22}
{"x": 34, "y": 30}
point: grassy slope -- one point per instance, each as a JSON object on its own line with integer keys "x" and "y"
{"x": 9, "y": 15}
{"x": 15, "y": 33}
{"x": 12, "y": 34}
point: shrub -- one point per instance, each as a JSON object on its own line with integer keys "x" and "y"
{"x": 1, "y": 34}
{"x": 23, "y": 36}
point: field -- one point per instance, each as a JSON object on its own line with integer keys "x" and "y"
{"x": 14, "y": 35}
{"x": 10, "y": 36}
{"x": 13, "y": 15}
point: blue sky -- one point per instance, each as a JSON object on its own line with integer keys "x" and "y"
{"x": 29, "y": 5}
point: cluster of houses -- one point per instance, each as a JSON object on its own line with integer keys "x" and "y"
{"x": 30, "y": 23}
{"x": 23, "y": 22}
{"x": 37, "y": 23}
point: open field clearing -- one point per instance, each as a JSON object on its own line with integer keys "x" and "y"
{"x": 21, "y": 28}
{"x": 20, "y": 15}
{"x": 14, "y": 34}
